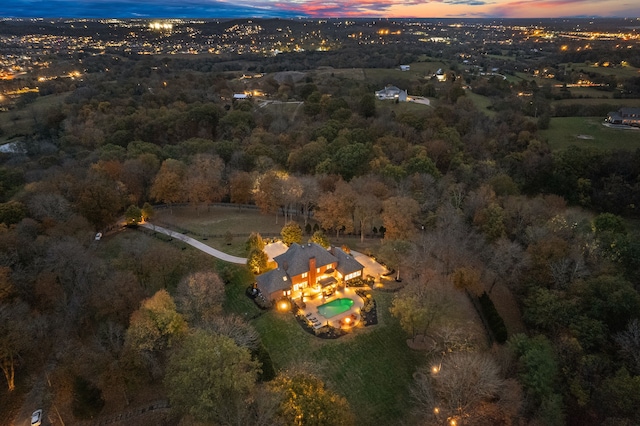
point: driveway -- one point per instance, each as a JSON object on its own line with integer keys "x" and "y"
{"x": 371, "y": 267}
{"x": 197, "y": 244}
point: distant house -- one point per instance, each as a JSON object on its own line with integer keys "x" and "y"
{"x": 625, "y": 116}
{"x": 392, "y": 93}
{"x": 307, "y": 265}
{"x": 440, "y": 75}
{"x": 405, "y": 67}
{"x": 241, "y": 96}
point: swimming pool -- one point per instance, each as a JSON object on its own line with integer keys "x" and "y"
{"x": 335, "y": 307}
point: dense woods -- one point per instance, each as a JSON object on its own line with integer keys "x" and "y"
{"x": 467, "y": 206}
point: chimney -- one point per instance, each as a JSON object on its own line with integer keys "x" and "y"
{"x": 312, "y": 271}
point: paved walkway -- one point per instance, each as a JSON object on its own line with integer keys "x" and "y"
{"x": 371, "y": 267}
{"x": 197, "y": 244}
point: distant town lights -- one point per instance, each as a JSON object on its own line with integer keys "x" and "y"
{"x": 159, "y": 26}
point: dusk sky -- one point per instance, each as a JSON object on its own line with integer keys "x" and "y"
{"x": 319, "y": 8}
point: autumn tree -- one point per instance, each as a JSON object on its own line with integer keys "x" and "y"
{"x": 335, "y": 209}
{"x": 99, "y": 200}
{"x": 306, "y": 401}
{"x": 240, "y": 187}
{"x": 467, "y": 278}
{"x": 133, "y": 215}
{"x": 138, "y": 174}
{"x": 204, "y": 179}
{"x": 147, "y": 212}
{"x": 168, "y": 186}
{"x": 291, "y": 233}
{"x": 257, "y": 260}
{"x": 211, "y": 378}
{"x": 156, "y": 325}
{"x": 398, "y": 216}
{"x": 268, "y": 193}
{"x": 319, "y": 237}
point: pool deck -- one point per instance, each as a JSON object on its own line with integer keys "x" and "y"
{"x": 311, "y": 310}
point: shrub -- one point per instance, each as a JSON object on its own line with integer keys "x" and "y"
{"x": 87, "y": 399}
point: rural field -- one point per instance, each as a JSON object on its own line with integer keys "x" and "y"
{"x": 589, "y": 132}
{"x": 22, "y": 122}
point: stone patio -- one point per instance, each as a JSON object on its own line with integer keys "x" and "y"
{"x": 314, "y": 300}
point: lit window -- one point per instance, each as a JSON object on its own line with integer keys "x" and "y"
{"x": 318, "y": 270}
{"x": 304, "y": 274}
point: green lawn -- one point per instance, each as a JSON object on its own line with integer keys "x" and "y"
{"x": 589, "y": 132}
{"x": 372, "y": 368}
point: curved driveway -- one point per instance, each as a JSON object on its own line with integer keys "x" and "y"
{"x": 195, "y": 243}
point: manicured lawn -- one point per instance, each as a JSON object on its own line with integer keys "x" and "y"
{"x": 372, "y": 368}
{"x": 589, "y": 132}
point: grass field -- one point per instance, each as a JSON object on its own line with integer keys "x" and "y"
{"x": 481, "y": 102}
{"x": 589, "y": 132}
{"x": 16, "y": 123}
{"x": 620, "y": 72}
{"x": 418, "y": 72}
{"x": 615, "y": 103}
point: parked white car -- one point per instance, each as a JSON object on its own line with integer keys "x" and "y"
{"x": 36, "y": 418}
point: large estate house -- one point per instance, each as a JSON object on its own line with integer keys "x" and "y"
{"x": 307, "y": 266}
{"x": 392, "y": 93}
{"x": 625, "y": 116}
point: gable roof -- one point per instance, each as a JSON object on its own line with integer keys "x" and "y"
{"x": 274, "y": 280}
{"x": 346, "y": 263}
{"x": 296, "y": 260}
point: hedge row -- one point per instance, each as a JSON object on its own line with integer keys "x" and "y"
{"x": 494, "y": 320}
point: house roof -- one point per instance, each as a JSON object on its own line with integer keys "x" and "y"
{"x": 296, "y": 260}
{"x": 629, "y": 111}
{"x": 346, "y": 263}
{"x": 274, "y": 280}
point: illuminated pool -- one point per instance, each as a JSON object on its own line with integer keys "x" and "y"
{"x": 335, "y": 307}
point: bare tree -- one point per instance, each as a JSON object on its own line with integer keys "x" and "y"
{"x": 14, "y": 338}
{"x": 629, "y": 344}
{"x": 237, "y": 329}
{"x": 309, "y": 196}
{"x": 199, "y": 296}
{"x": 459, "y": 388}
